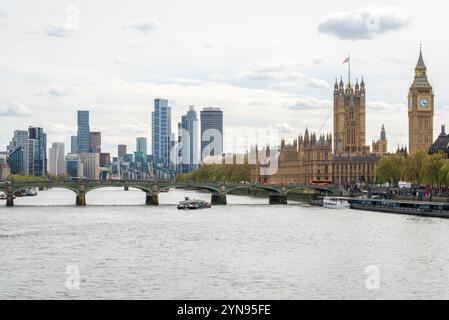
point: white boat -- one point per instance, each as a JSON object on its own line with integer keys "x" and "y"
{"x": 335, "y": 203}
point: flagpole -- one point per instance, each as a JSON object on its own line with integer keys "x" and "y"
{"x": 349, "y": 71}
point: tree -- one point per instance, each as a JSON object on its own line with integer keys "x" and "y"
{"x": 432, "y": 169}
{"x": 413, "y": 167}
{"x": 390, "y": 169}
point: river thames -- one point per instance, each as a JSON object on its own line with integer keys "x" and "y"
{"x": 120, "y": 249}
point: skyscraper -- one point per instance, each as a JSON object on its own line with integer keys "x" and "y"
{"x": 56, "y": 158}
{"x": 83, "y": 132}
{"x": 73, "y": 144}
{"x": 161, "y": 133}
{"x": 91, "y": 165}
{"x": 211, "y": 133}
{"x": 73, "y": 166}
{"x": 95, "y": 142}
{"x": 18, "y": 150}
{"x": 37, "y": 151}
{"x": 141, "y": 145}
{"x": 420, "y": 110}
{"x": 121, "y": 150}
{"x": 188, "y": 152}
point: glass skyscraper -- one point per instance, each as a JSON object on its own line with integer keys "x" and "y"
{"x": 141, "y": 145}
{"x": 83, "y": 132}
{"x": 211, "y": 133}
{"x": 37, "y": 152}
{"x": 188, "y": 141}
{"x": 161, "y": 133}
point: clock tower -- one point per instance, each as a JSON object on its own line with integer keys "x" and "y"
{"x": 420, "y": 110}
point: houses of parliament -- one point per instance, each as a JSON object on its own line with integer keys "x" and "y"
{"x": 344, "y": 158}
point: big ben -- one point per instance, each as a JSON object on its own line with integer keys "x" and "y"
{"x": 420, "y": 110}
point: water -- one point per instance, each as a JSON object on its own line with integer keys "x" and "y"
{"x": 246, "y": 250}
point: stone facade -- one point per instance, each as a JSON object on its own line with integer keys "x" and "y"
{"x": 311, "y": 159}
{"x": 420, "y": 110}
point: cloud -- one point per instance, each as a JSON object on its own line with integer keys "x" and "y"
{"x": 282, "y": 128}
{"x": 3, "y": 14}
{"x": 210, "y": 44}
{"x": 259, "y": 71}
{"x": 365, "y": 23}
{"x": 60, "y": 31}
{"x": 144, "y": 25}
{"x": 120, "y": 60}
{"x": 384, "y": 106}
{"x": 309, "y": 103}
{"x": 14, "y": 109}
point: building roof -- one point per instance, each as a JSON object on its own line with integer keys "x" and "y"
{"x": 421, "y": 64}
{"x": 441, "y": 144}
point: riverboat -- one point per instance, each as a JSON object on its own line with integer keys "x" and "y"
{"x": 418, "y": 208}
{"x": 192, "y": 204}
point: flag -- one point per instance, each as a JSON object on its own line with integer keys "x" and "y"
{"x": 348, "y": 59}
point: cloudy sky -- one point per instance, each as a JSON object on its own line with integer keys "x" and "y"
{"x": 267, "y": 64}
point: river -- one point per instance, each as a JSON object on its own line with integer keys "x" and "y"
{"x": 118, "y": 248}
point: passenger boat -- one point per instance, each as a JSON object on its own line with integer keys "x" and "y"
{"x": 31, "y": 192}
{"x": 335, "y": 203}
{"x": 2, "y": 196}
{"x": 418, "y": 208}
{"x": 191, "y": 204}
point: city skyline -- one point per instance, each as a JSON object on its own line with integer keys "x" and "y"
{"x": 269, "y": 72}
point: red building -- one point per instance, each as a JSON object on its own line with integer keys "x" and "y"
{"x": 95, "y": 142}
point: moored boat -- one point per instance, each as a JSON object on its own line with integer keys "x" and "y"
{"x": 418, "y": 208}
{"x": 335, "y": 203}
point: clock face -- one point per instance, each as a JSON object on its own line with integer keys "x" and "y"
{"x": 424, "y": 103}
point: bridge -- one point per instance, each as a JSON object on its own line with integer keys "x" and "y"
{"x": 277, "y": 194}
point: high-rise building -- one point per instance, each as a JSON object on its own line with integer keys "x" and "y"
{"x": 73, "y": 144}
{"x": 73, "y": 166}
{"x": 91, "y": 165}
{"x": 17, "y": 162}
{"x": 161, "y": 133}
{"x": 420, "y": 110}
{"x": 95, "y": 142}
{"x": 37, "y": 152}
{"x": 56, "y": 158}
{"x": 141, "y": 145}
{"x": 349, "y": 117}
{"x": 188, "y": 142}
{"x": 121, "y": 150}
{"x": 83, "y": 132}
{"x": 18, "y": 148}
{"x": 211, "y": 133}
{"x": 105, "y": 159}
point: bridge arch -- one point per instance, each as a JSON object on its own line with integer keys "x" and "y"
{"x": 189, "y": 186}
{"x": 141, "y": 188}
{"x": 252, "y": 187}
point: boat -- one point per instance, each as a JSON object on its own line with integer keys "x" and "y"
{"x": 192, "y": 204}
{"x": 2, "y": 196}
{"x": 335, "y": 203}
{"x": 417, "y": 208}
{"x": 31, "y": 192}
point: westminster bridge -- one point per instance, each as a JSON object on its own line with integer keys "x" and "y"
{"x": 277, "y": 194}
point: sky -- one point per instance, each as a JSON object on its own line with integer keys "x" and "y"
{"x": 267, "y": 64}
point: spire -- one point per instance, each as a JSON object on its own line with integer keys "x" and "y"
{"x": 341, "y": 82}
{"x": 336, "y": 84}
{"x": 357, "y": 84}
{"x": 383, "y": 134}
{"x": 421, "y": 64}
{"x": 443, "y": 130}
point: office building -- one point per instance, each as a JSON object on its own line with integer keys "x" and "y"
{"x": 121, "y": 150}
{"x": 56, "y": 153}
{"x": 211, "y": 133}
{"x": 188, "y": 142}
{"x": 105, "y": 159}
{"x": 73, "y": 166}
{"x": 37, "y": 152}
{"x": 83, "y": 135}
{"x": 73, "y": 144}
{"x": 91, "y": 165}
{"x": 161, "y": 133}
{"x": 141, "y": 146}
{"x": 95, "y": 142}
